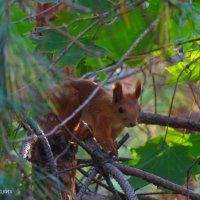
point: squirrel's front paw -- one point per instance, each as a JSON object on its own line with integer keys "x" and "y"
{"x": 110, "y": 148}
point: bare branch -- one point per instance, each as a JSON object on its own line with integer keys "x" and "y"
{"x": 49, "y": 155}
{"x": 37, "y": 15}
{"x": 65, "y": 33}
{"x": 157, "y": 181}
{"x": 194, "y": 94}
{"x": 76, "y": 6}
{"x": 138, "y": 40}
{"x": 80, "y": 35}
{"x": 104, "y": 161}
{"x": 155, "y": 92}
{"x": 125, "y": 75}
{"x": 174, "y": 122}
{"x": 62, "y": 153}
{"x": 96, "y": 180}
{"x": 173, "y": 96}
{"x": 109, "y": 182}
{"x": 91, "y": 176}
{"x": 123, "y": 140}
{"x": 75, "y": 168}
{"x": 118, "y": 176}
{"x": 66, "y": 49}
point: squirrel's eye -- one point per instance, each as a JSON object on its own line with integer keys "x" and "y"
{"x": 121, "y": 110}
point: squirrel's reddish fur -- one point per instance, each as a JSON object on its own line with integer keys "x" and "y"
{"x": 106, "y": 114}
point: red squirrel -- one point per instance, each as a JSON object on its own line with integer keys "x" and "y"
{"x": 107, "y": 114}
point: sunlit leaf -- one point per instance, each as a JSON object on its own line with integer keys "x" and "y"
{"x": 157, "y": 157}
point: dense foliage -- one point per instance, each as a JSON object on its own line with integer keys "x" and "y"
{"x": 86, "y": 38}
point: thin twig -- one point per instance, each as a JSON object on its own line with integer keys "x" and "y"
{"x": 75, "y": 6}
{"x": 73, "y": 136}
{"x": 75, "y": 168}
{"x": 175, "y": 88}
{"x": 196, "y": 162}
{"x": 66, "y": 49}
{"x": 122, "y": 159}
{"x": 125, "y": 75}
{"x": 195, "y": 96}
{"x": 123, "y": 140}
{"x": 70, "y": 4}
{"x": 100, "y": 183}
{"x": 91, "y": 176}
{"x": 155, "y": 93}
{"x": 37, "y": 15}
{"x": 70, "y": 45}
{"x": 62, "y": 171}
{"x": 62, "y": 153}
{"x": 69, "y": 36}
{"x": 164, "y": 47}
{"x": 59, "y": 172}
{"x": 96, "y": 180}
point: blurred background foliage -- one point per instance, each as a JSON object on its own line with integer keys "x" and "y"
{"x": 31, "y": 42}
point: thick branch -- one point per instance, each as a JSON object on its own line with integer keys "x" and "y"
{"x": 104, "y": 161}
{"x": 111, "y": 186}
{"x": 174, "y": 122}
{"x": 49, "y": 155}
{"x": 119, "y": 177}
{"x": 157, "y": 181}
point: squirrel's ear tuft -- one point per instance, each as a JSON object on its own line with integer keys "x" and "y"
{"x": 137, "y": 89}
{"x": 117, "y": 92}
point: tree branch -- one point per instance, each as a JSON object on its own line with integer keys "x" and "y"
{"x": 118, "y": 176}
{"x": 111, "y": 186}
{"x": 95, "y": 180}
{"x": 74, "y": 41}
{"x": 105, "y": 162}
{"x": 157, "y": 181}
{"x": 174, "y": 122}
{"x": 91, "y": 176}
{"x": 49, "y": 155}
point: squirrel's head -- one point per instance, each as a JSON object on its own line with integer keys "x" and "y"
{"x": 127, "y": 105}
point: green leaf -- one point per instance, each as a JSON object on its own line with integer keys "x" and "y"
{"x": 20, "y": 22}
{"x": 194, "y": 150}
{"x": 97, "y": 6}
{"x": 170, "y": 161}
{"x": 50, "y": 41}
{"x": 185, "y": 20}
{"x": 191, "y": 73}
{"x": 102, "y": 76}
{"x": 82, "y": 68}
